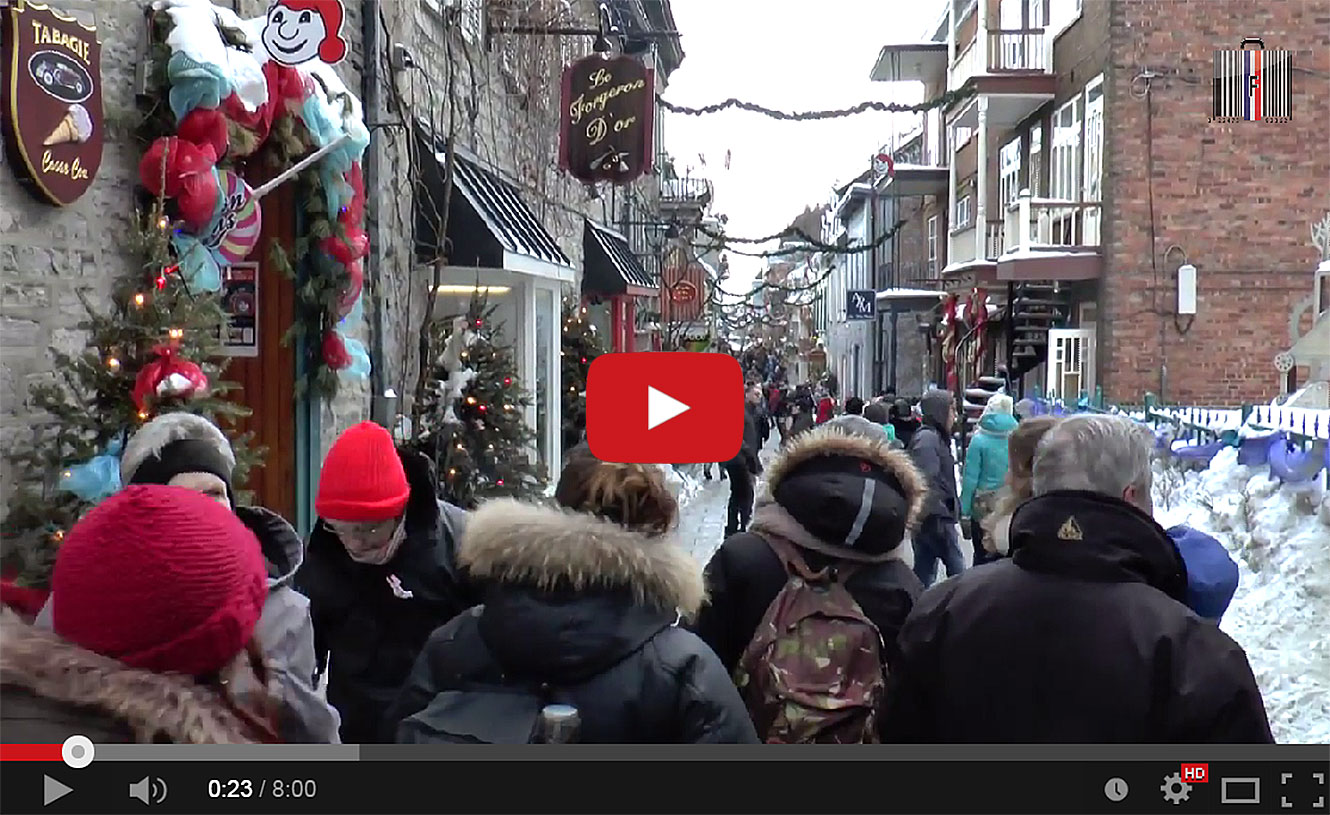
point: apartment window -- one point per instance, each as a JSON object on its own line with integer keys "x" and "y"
{"x": 1094, "y": 139}
{"x": 932, "y": 247}
{"x": 961, "y": 217}
{"x": 1009, "y": 171}
{"x": 1066, "y": 151}
{"x": 1061, "y": 14}
{"x": 959, "y": 136}
{"x": 932, "y": 138}
{"x": 469, "y": 15}
{"x": 1034, "y": 182}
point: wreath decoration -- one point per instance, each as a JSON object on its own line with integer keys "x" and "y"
{"x": 224, "y": 107}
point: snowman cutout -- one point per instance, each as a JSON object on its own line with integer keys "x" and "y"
{"x": 298, "y": 31}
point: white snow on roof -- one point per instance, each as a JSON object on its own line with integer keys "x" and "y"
{"x": 1026, "y": 254}
{"x": 899, "y": 167}
{"x": 969, "y": 264}
{"x": 907, "y": 294}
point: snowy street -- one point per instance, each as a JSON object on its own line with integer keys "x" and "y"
{"x": 1278, "y": 614}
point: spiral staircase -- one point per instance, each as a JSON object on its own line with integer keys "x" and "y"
{"x": 1033, "y": 308}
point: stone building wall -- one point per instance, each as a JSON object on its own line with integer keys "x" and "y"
{"x": 50, "y": 255}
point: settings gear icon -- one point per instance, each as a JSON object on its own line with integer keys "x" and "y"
{"x": 1175, "y": 789}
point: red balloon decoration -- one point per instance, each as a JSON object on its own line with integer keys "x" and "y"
{"x": 187, "y": 170}
{"x": 335, "y": 355}
{"x": 355, "y": 284}
{"x": 205, "y": 127}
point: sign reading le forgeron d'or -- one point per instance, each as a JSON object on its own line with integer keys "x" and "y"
{"x": 52, "y": 100}
{"x": 605, "y": 129}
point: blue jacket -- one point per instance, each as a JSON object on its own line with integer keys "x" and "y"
{"x": 1212, "y": 575}
{"x": 986, "y": 458}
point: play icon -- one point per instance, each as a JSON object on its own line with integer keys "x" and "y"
{"x": 662, "y": 407}
{"x": 53, "y": 790}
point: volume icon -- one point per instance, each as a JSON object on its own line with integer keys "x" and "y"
{"x": 148, "y": 789}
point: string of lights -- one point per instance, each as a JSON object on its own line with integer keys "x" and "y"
{"x": 942, "y": 101}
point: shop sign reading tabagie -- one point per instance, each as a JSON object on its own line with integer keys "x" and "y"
{"x": 52, "y": 100}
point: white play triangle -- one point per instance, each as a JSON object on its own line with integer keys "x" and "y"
{"x": 661, "y": 408}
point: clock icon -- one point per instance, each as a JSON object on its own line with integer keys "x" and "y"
{"x": 1115, "y": 790}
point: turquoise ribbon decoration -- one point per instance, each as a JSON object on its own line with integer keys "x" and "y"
{"x": 198, "y": 264}
{"x": 96, "y": 478}
{"x": 195, "y": 84}
{"x": 360, "y": 367}
{"x": 354, "y": 316}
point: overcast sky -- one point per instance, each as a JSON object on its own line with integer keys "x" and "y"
{"x": 787, "y": 55}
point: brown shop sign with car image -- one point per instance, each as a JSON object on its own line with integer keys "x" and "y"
{"x": 52, "y": 100}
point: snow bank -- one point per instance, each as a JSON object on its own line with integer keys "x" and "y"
{"x": 1280, "y": 536}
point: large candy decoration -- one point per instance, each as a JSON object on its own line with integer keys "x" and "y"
{"x": 235, "y": 230}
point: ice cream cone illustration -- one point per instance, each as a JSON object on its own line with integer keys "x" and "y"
{"x": 75, "y": 127}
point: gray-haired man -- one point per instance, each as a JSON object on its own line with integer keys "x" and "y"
{"x": 1083, "y": 636}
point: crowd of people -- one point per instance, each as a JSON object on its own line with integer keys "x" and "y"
{"x": 176, "y": 615}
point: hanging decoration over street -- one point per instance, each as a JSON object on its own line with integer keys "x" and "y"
{"x": 238, "y": 88}
{"x": 606, "y": 126}
{"x": 298, "y": 31}
{"x": 53, "y": 101}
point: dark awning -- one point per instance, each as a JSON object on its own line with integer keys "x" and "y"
{"x": 610, "y": 267}
{"x": 489, "y": 223}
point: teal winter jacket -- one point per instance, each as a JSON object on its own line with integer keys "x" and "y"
{"x": 986, "y": 458}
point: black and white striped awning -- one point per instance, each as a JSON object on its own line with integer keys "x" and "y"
{"x": 490, "y": 224}
{"x": 610, "y": 267}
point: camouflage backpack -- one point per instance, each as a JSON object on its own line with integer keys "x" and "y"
{"x": 813, "y": 672}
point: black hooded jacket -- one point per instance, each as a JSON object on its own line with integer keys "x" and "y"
{"x": 589, "y": 610}
{"x": 745, "y": 575}
{"x": 930, "y": 447}
{"x": 370, "y": 621}
{"x": 1082, "y": 637}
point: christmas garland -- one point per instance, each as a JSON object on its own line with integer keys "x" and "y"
{"x": 229, "y": 109}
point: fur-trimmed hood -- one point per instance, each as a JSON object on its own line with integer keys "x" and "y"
{"x": 60, "y": 676}
{"x": 510, "y": 542}
{"x": 828, "y": 440}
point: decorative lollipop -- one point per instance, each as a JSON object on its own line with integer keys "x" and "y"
{"x": 234, "y": 231}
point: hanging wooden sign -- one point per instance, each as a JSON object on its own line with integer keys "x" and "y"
{"x": 605, "y": 129}
{"x": 52, "y": 101}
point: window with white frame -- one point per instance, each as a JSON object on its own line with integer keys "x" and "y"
{"x": 961, "y": 217}
{"x": 1066, "y": 151}
{"x": 959, "y": 136}
{"x": 1035, "y": 177}
{"x": 1094, "y": 139}
{"x": 1061, "y": 14}
{"x": 469, "y": 15}
{"x": 1009, "y": 171}
{"x": 932, "y": 247}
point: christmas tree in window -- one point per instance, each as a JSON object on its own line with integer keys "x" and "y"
{"x": 474, "y": 425}
{"x": 581, "y": 346}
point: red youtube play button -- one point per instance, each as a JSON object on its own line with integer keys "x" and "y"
{"x": 665, "y": 408}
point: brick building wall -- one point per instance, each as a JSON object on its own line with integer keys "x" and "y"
{"x": 1236, "y": 199}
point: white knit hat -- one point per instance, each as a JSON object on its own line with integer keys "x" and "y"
{"x": 999, "y": 403}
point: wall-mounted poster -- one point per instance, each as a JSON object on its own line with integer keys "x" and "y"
{"x": 52, "y": 100}
{"x": 240, "y": 303}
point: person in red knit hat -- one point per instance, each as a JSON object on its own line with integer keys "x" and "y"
{"x": 380, "y": 572}
{"x": 157, "y": 593}
{"x": 182, "y": 449}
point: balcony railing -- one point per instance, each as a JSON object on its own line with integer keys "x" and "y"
{"x": 1017, "y": 50}
{"x": 967, "y": 64}
{"x": 960, "y": 247}
{"x": 1045, "y": 222}
{"x": 994, "y": 239}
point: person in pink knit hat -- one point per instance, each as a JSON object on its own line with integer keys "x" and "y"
{"x": 157, "y": 594}
{"x": 380, "y": 573}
